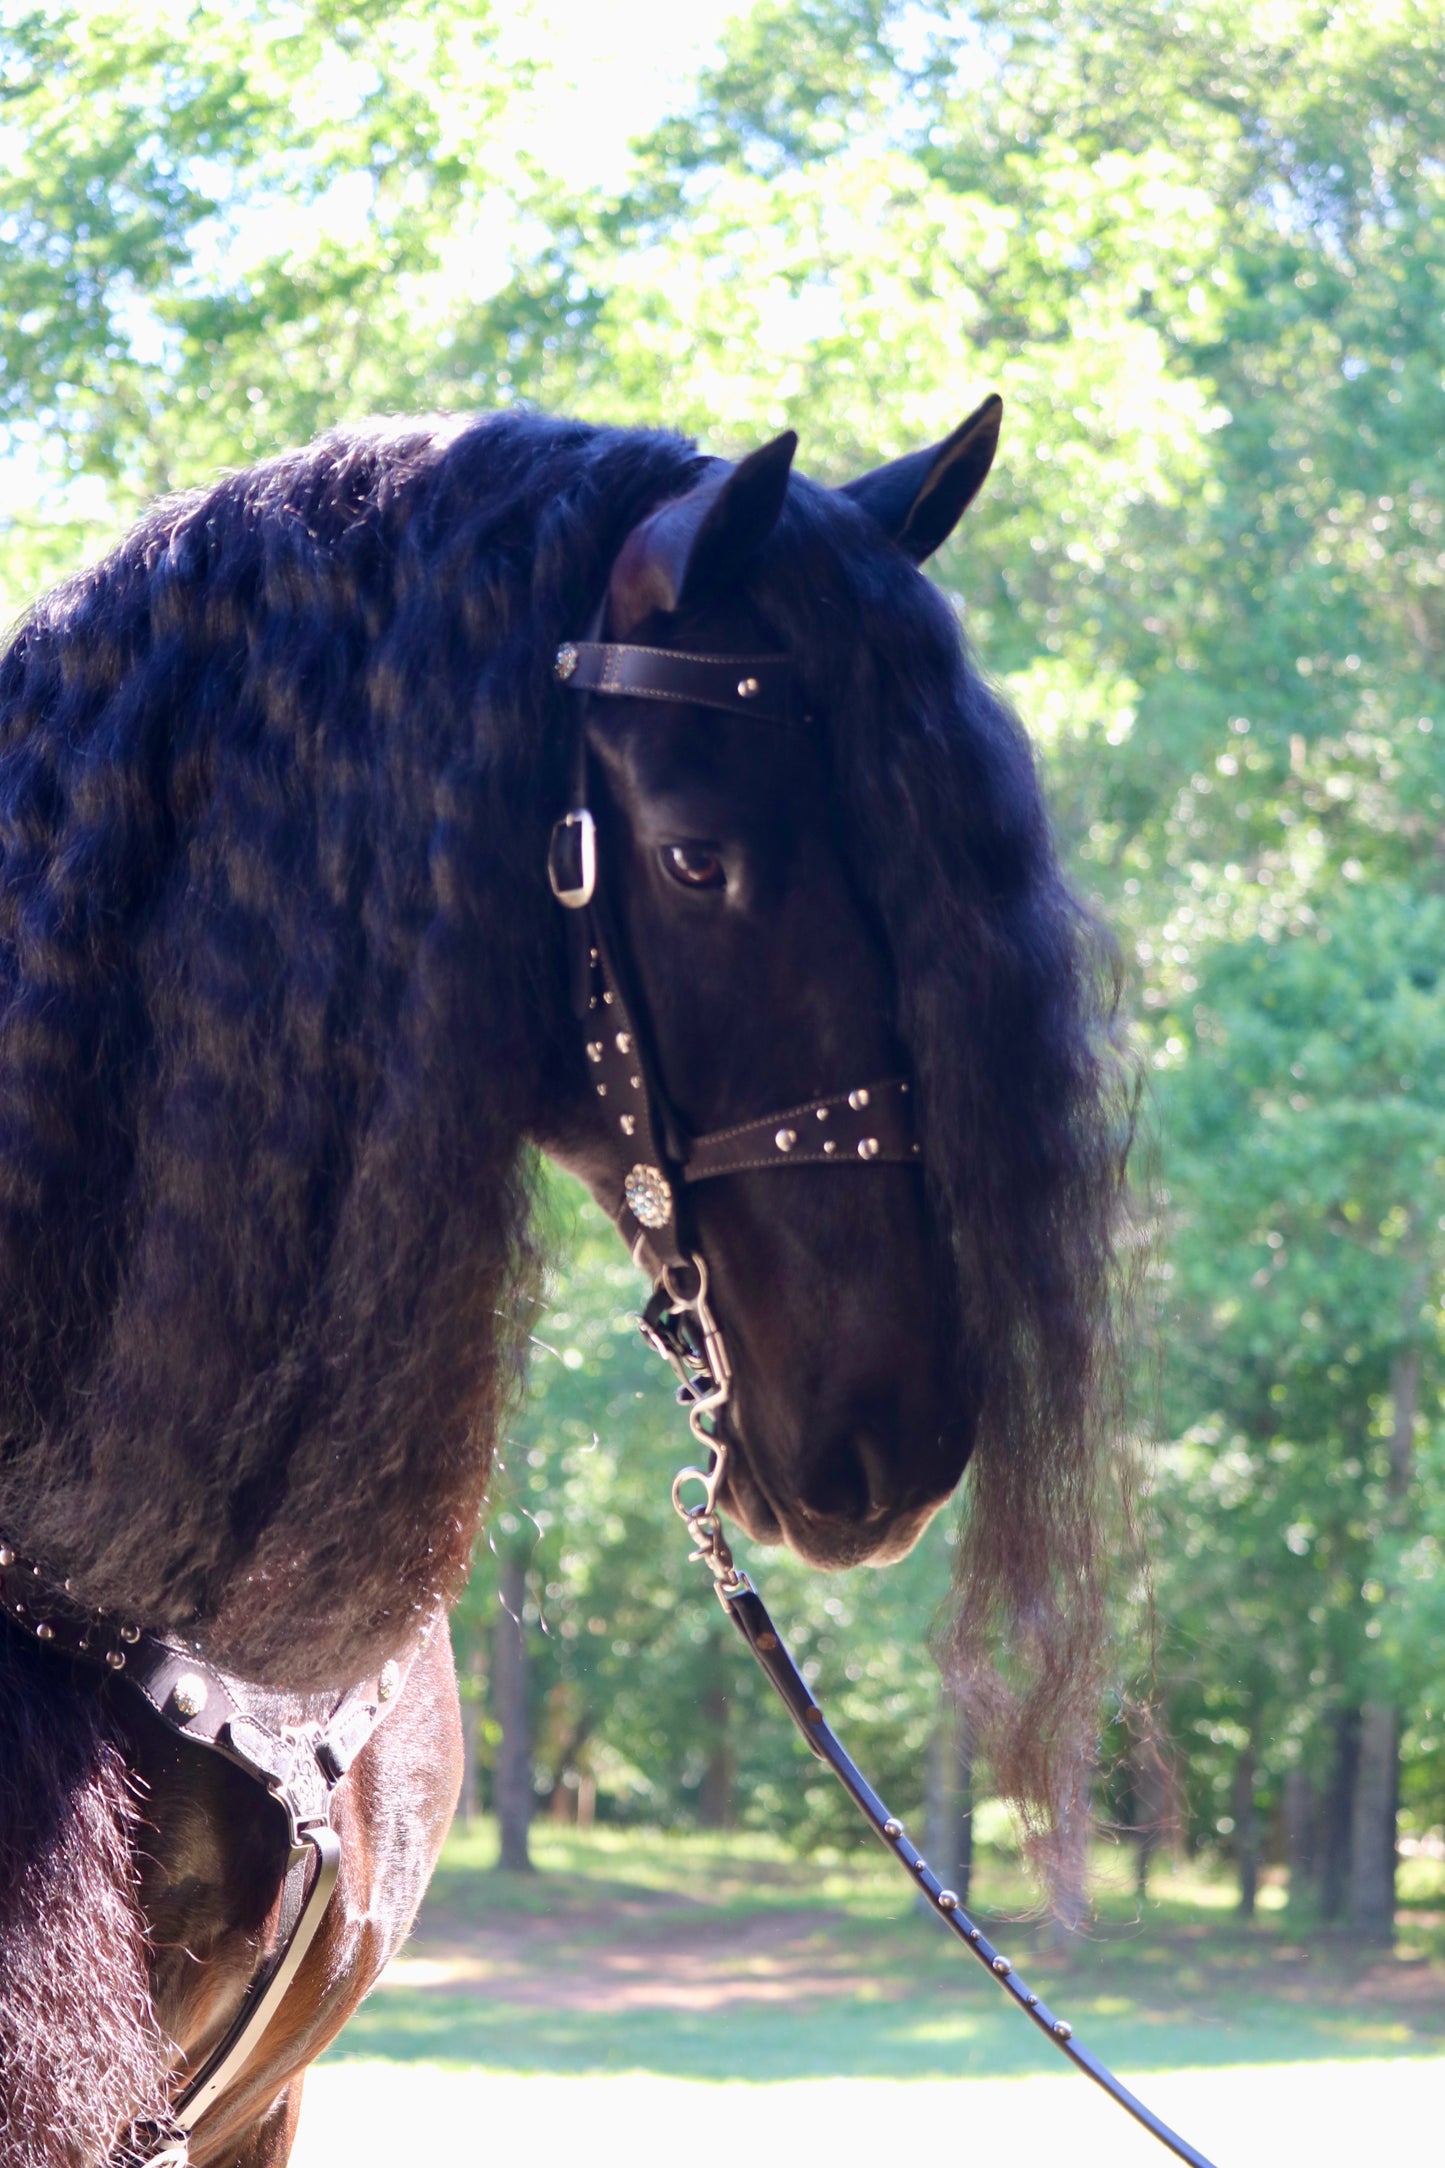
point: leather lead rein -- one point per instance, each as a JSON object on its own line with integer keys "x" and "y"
{"x": 871, "y": 1122}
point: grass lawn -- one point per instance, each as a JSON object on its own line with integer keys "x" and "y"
{"x": 703, "y": 1958}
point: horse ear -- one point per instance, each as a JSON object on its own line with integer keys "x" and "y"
{"x": 918, "y": 501}
{"x": 699, "y": 544}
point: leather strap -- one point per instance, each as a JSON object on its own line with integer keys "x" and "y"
{"x": 872, "y": 1124}
{"x": 299, "y": 1767}
{"x": 752, "y": 685}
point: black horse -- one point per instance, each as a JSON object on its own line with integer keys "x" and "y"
{"x": 284, "y": 1012}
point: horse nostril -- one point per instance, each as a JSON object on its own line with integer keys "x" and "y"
{"x": 847, "y": 1482}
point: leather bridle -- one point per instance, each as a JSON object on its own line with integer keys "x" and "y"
{"x": 864, "y": 1123}
{"x": 655, "y": 1161}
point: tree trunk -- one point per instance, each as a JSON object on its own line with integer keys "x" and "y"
{"x": 1150, "y": 1789}
{"x": 467, "y": 1804}
{"x": 1297, "y": 1819}
{"x": 1372, "y": 1825}
{"x": 512, "y": 1776}
{"x": 1246, "y": 1832}
{"x": 1338, "y": 1814}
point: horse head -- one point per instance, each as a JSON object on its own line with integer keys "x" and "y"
{"x": 764, "y": 1000}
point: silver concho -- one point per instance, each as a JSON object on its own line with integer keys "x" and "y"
{"x": 566, "y": 662}
{"x": 190, "y": 1694}
{"x": 649, "y": 1196}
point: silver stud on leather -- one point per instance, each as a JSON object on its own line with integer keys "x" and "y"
{"x": 822, "y": 1114}
{"x": 594, "y": 1050}
{"x": 43, "y": 1632}
{"x": 624, "y": 1042}
{"x": 859, "y": 1099}
{"x": 566, "y": 663}
{"x": 190, "y": 1694}
{"x": 830, "y": 1146}
{"x": 607, "y": 1000}
{"x": 1063, "y": 2030}
{"x": 867, "y": 1147}
{"x": 130, "y": 1633}
{"x": 388, "y": 1680}
{"x": 947, "y": 1901}
{"x": 786, "y": 1139}
{"x": 1001, "y": 1965}
{"x": 602, "y": 1091}
{"x": 629, "y": 1123}
{"x": 7, "y": 1556}
{"x": 892, "y": 1828}
{"x": 748, "y": 688}
{"x": 116, "y": 1659}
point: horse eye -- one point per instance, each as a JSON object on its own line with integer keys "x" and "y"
{"x": 694, "y": 866}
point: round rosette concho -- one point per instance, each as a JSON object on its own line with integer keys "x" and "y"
{"x": 649, "y": 1196}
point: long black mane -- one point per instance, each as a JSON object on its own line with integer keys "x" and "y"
{"x": 279, "y": 978}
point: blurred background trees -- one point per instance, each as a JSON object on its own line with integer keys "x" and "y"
{"x": 1202, "y": 254}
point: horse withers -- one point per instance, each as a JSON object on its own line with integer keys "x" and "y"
{"x": 286, "y": 1000}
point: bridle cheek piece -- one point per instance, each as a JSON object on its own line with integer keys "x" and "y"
{"x": 860, "y": 1126}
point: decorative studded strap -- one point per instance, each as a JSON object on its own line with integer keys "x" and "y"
{"x": 755, "y": 685}
{"x": 873, "y": 1122}
{"x": 198, "y": 1701}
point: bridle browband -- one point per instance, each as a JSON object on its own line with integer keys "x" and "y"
{"x": 855, "y": 1127}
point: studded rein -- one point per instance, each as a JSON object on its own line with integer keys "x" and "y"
{"x": 857, "y": 1126}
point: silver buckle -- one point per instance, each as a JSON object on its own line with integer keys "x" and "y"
{"x": 573, "y": 897}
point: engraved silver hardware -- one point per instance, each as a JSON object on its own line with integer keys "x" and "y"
{"x": 867, "y": 1147}
{"x": 566, "y": 663}
{"x": 857, "y": 1100}
{"x": 629, "y": 1123}
{"x": 649, "y": 1196}
{"x": 573, "y": 895}
{"x": 748, "y": 688}
{"x": 190, "y": 1694}
{"x": 786, "y": 1139}
{"x": 388, "y": 1680}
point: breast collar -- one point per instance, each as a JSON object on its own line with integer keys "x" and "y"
{"x": 655, "y": 1160}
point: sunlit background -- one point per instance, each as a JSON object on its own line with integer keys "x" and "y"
{"x": 1201, "y": 253}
